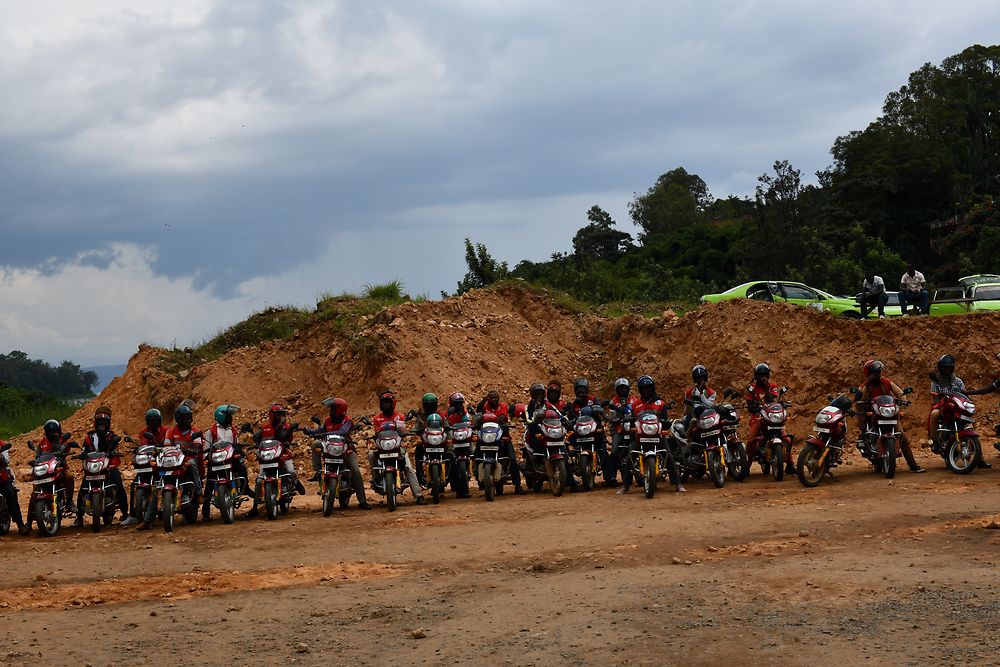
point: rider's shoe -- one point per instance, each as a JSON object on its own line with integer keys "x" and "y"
{"x": 519, "y": 491}
{"x": 984, "y": 464}
{"x": 129, "y": 521}
{"x": 423, "y": 501}
{"x": 254, "y": 512}
{"x": 299, "y": 488}
{"x": 622, "y": 490}
{"x": 364, "y": 506}
{"x": 680, "y": 489}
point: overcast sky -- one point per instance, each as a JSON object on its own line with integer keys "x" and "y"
{"x": 167, "y": 167}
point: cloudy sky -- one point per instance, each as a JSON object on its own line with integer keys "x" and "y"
{"x": 167, "y": 167}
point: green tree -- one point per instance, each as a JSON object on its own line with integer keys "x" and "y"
{"x": 677, "y": 199}
{"x": 482, "y": 270}
{"x": 599, "y": 239}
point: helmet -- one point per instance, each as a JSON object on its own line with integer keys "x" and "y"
{"x": 387, "y": 401}
{"x": 622, "y": 387}
{"x": 102, "y": 417}
{"x": 276, "y": 411}
{"x": 536, "y": 388}
{"x": 434, "y": 420}
{"x": 224, "y": 414}
{"x": 429, "y": 403}
{"x": 489, "y": 418}
{"x": 554, "y": 391}
{"x": 551, "y": 414}
{"x": 587, "y": 412}
{"x": 842, "y": 403}
{"x": 581, "y": 387}
{"x": 456, "y": 399}
{"x": 183, "y": 416}
{"x": 338, "y": 408}
{"x": 699, "y": 373}
{"x": 947, "y": 361}
{"x": 647, "y": 388}
{"x": 873, "y": 367}
{"x": 761, "y": 370}
{"x": 52, "y": 428}
{"x": 154, "y": 419}
{"x": 519, "y": 410}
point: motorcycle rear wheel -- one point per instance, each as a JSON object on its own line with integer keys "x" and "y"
{"x": 962, "y": 457}
{"x": 807, "y": 468}
{"x": 716, "y": 471}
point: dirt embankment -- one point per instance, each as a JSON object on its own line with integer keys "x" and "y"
{"x": 510, "y": 337}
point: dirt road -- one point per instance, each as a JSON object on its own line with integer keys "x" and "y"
{"x": 860, "y": 570}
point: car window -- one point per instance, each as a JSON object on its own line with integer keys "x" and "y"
{"x": 988, "y": 293}
{"x": 949, "y": 293}
{"x": 893, "y": 298}
{"x": 799, "y": 292}
{"x": 759, "y": 292}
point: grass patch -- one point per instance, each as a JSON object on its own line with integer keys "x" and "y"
{"x": 391, "y": 293}
{"x": 22, "y": 410}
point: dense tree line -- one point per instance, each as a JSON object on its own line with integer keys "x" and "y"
{"x": 66, "y": 380}
{"x": 918, "y": 184}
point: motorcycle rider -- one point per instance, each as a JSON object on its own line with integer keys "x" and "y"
{"x": 624, "y": 405}
{"x": 492, "y": 405}
{"x": 945, "y": 383}
{"x": 103, "y": 439}
{"x": 457, "y": 411}
{"x": 387, "y": 415}
{"x": 757, "y": 394}
{"x": 340, "y": 424}
{"x": 52, "y": 442}
{"x": 154, "y": 434}
{"x": 700, "y": 394}
{"x": 553, "y": 394}
{"x": 223, "y": 431}
{"x": 277, "y": 428}
{"x": 428, "y": 407}
{"x": 582, "y": 398}
{"x": 542, "y": 400}
{"x": 650, "y": 401}
{"x": 876, "y": 385}
{"x": 9, "y": 491}
{"x": 183, "y": 434}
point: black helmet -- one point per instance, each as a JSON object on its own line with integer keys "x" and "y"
{"x": 52, "y": 429}
{"x": 761, "y": 370}
{"x": 535, "y": 389}
{"x": 154, "y": 419}
{"x": 183, "y": 416}
{"x": 622, "y": 387}
{"x": 699, "y": 373}
{"x": 842, "y": 403}
{"x": 581, "y": 387}
{"x": 947, "y": 361}
{"x": 647, "y": 388}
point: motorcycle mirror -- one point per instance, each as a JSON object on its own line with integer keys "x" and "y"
{"x": 128, "y": 438}
{"x": 31, "y": 445}
{"x": 934, "y": 376}
{"x": 5, "y": 446}
{"x": 66, "y": 436}
{"x": 908, "y": 390}
{"x": 246, "y": 428}
{"x": 366, "y": 421}
{"x": 671, "y": 404}
{"x": 856, "y": 392}
{"x": 196, "y": 435}
{"x": 316, "y": 420}
{"x": 829, "y": 397}
{"x": 727, "y": 392}
{"x": 783, "y": 390}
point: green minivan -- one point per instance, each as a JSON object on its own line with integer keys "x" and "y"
{"x": 973, "y": 294}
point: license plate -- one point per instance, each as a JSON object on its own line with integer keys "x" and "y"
{"x": 589, "y": 439}
{"x": 489, "y": 448}
{"x": 817, "y": 429}
{"x": 225, "y": 466}
{"x": 94, "y": 478}
{"x": 653, "y": 440}
{"x": 887, "y": 421}
{"x": 434, "y": 450}
{"x": 265, "y": 466}
{"x": 708, "y": 433}
{"x": 388, "y": 456}
{"x": 45, "y": 481}
{"x": 339, "y": 461}
{"x": 138, "y": 470}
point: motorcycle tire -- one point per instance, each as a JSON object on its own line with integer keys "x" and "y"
{"x": 558, "y": 480}
{"x": 436, "y": 484}
{"x": 189, "y": 510}
{"x": 739, "y": 464}
{"x": 716, "y": 470}
{"x": 649, "y": 481}
{"x": 889, "y": 458}
{"x": 329, "y": 496}
{"x": 587, "y": 474}
{"x": 167, "y": 512}
{"x": 807, "y": 467}
{"x": 390, "y": 490}
{"x": 537, "y": 486}
{"x": 489, "y": 486}
{"x": 962, "y": 457}
{"x": 227, "y": 504}
{"x": 777, "y": 462}
{"x": 4, "y": 518}
{"x": 141, "y": 502}
{"x": 46, "y": 520}
{"x": 96, "y": 513}
{"x": 271, "y": 501}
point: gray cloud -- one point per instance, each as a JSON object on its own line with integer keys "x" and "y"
{"x": 280, "y": 146}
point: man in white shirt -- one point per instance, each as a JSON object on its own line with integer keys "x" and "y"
{"x": 873, "y": 295}
{"x": 913, "y": 289}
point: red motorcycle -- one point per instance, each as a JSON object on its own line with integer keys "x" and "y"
{"x": 547, "y": 460}
{"x": 143, "y": 485}
{"x": 175, "y": 487}
{"x": 100, "y": 499}
{"x": 824, "y": 450}
{"x": 48, "y": 500}
{"x": 771, "y": 443}
{"x": 957, "y": 441}
{"x": 880, "y": 441}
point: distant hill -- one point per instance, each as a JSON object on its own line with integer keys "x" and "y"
{"x": 105, "y": 374}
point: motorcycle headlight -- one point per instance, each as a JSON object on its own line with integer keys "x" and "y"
{"x": 585, "y": 429}
{"x": 823, "y": 418}
{"x": 40, "y": 471}
{"x": 141, "y": 459}
{"x": 219, "y": 457}
{"x": 387, "y": 444}
{"x": 967, "y": 407}
{"x": 94, "y": 466}
{"x": 463, "y": 434}
{"x": 435, "y": 439}
{"x": 887, "y": 410}
{"x": 335, "y": 448}
{"x": 650, "y": 428}
{"x": 554, "y": 432}
{"x": 267, "y": 454}
{"x": 706, "y": 423}
{"x": 488, "y": 436}
{"x": 776, "y": 417}
{"x": 170, "y": 461}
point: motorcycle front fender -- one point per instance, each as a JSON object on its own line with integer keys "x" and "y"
{"x": 968, "y": 433}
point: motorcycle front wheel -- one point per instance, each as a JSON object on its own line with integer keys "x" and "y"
{"x": 808, "y": 468}
{"x": 587, "y": 473}
{"x": 716, "y": 470}
{"x": 889, "y": 457}
{"x": 4, "y": 518}
{"x": 649, "y": 480}
{"x": 437, "y": 485}
{"x": 777, "y": 462}
{"x": 271, "y": 500}
{"x": 489, "y": 486}
{"x": 167, "y": 501}
{"x": 962, "y": 456}
{"x": 227, "y": 504}
{"x": 738, "y": 464}
{"x": 390, "y": 489}
{"x": 558, "y": 479}
{"x": 96, "y": 511}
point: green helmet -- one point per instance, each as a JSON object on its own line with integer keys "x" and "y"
{"x": 435, "y": 421}
{"x": 224, "y": 414}
{"x": 429, "y": 403}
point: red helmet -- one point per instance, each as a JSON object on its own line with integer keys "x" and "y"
{"x": 338, "y": 408}
{"x": 489, "y": 417}
{"x": 551, "y": 414}
{"x": 387, "y": 396}
{"x": 873, "y": 366}
{"x": 457, "y": 397}
{"x": 275, "y": 410}
{"x": 519, "y": 410}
